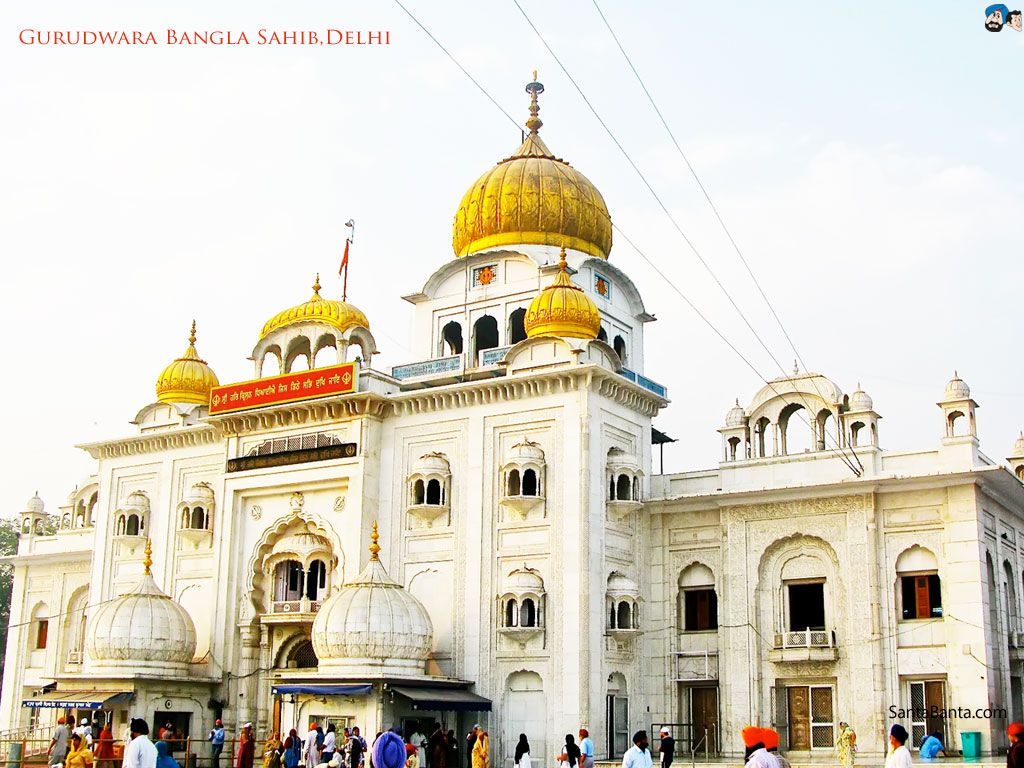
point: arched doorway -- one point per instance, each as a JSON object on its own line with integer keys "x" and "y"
{"x": 525, "y": 712}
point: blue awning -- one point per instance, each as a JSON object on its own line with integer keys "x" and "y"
{"x": 325, "y": 690}
{"x": 79, "y": 699}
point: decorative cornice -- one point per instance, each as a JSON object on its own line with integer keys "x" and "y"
{"x": 329, "y": 410}
{"x": 152, "y": 442}
{"x": 323, "y": 410}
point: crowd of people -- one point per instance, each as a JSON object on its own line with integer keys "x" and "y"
{"x": 91, "y": 745}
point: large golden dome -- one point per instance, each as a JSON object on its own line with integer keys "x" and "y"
{"x": 562, "y": 309}
{"x": 338, "y": 314}
{"x": 533, "y": 198}
{"x": 188, "y": 379}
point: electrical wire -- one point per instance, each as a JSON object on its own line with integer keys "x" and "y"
{"x": 711, "y": 204}
{"x": 678, "y": 291}
{"x": 672, "y": 219}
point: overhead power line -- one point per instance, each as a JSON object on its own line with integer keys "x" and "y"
{"x": 639, "y": 251}
{"x": 675, "y": 223}
{"x": 711, "y": 204}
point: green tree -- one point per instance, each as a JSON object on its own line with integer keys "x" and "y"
{"x": 8, "y": 546}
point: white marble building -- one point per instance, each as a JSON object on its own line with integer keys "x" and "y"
{"x": 532, "y": 573}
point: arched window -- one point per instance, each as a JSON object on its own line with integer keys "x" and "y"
{"x": 90, "y": 511}
{"x": 516, "y": 326}
{"x": 316, "y": 580}
{"x": 121, "y": 526}
{"x": 529, "y": 482}
{"x": 198, "y": 519}
{"x": 419, "y": 492}
{"x": 528, "y": 613}
{"x": 485, "y": 335}
{"x": 794, "y": 434}
{"x": 760, "y": 430}
{"x": 434, "y": 492}
{"x": 289, "y": 581}
{"x": 698, "y": 604}
{"x": 826, "y": 430}
{"x": 855, "y": 429}
{"x": 133, "y": 525}
{"x": 271, "y": 365}
{"x": 65, "y": 520}
{"x": 1010, "y": 587}
{"x": 602, "y": 335}
{"x": 611, "y": 489}
{"x": 326, "y": 355}
{"x": 511, "y": 613}
{"x": 303, "y": 656}
{"x": 451, "y": 339}
{"x": 636, "y": 488}
{"x": 623, "y": 616}
{"x": 734, "y": 444}
{"x": 619, "y": 345}
{"x": 622, "y": 488}
{"x": 514, "y": 487}
{"x": 299, "y": 363}
{"x": 920, "y": 588}
{"x": 26, "y": 525}
{"x": 954, "y": 418}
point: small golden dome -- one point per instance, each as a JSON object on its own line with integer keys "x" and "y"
{"x": 533, "y": 198}
{"x": 188, "y": 379}
{"x": 562, "y": 309}
{"x": 338, "y": 314}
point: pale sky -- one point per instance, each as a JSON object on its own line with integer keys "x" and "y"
{"x": 866, "y": 157}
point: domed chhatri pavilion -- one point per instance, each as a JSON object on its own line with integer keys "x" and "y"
{"x": 479, "y": 534}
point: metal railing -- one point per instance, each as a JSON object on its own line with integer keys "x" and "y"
{"x": 808, "y": 638}
{"x": 304, "y": 605}
{"x": 189, "y": 753}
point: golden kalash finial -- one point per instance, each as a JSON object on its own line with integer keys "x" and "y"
{"x": 374, "y": 546}
{"x": 147, "y": 563}
{"x": 192, "y": 335}
{"x": 316, "y": 285}
{"x": 563, "y": 265}
{"x": 535, "y": 89}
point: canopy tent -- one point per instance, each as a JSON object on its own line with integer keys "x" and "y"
{"x": 325, "y": 690}
{"x": 443, "y": 699}
{"x": 79, "y": 699}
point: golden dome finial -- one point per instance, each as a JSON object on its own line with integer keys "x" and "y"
{"x": 316, "y": 285}
{"x": 374, "y": 546}
{"x": 563, "y": 265}
{"x": 147, "y": 563}
{"x": 188, "y": 379}
{"x": 535, "y": 89}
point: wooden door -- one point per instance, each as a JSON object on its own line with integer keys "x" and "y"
{"x": 799, "y": 705}
{"x": 704, "y": 714}
{"x": 935, "y": 701}
{"x": 921, "y": 597}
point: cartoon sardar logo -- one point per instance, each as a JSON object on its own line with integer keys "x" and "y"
{"x": 997, "y": 15}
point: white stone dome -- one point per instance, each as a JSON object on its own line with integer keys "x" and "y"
{"x": 736, "y": 417}
{"x": 1018, "y": 445}
{"x": 137, "y": 500}
{"x": 142, "y": 630}
{"x": 620, "y": 584}
{"x": 200, "y": 493}
{"x": 525, "y": 452}
{"x": 619, "y": 459}
{"x": 861, "y": 401}
{"x": 957, "y": 388}
{"x": 35, "y": 505}
{"x": 525, "y": 580}
{"x": 372, "y": 622}
{"x": 433, "y": 463}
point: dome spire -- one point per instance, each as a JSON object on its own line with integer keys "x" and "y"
{"x": 316, "y": 287}
{"x": 192, "y": 335}
{"x": 374, "y": 546}
{"x": 535, "y": 89}
{"x": 147, "y": 563}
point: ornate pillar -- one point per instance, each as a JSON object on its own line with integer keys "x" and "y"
{"x": 247, "y": 666}
{"x": 266, "y": 661}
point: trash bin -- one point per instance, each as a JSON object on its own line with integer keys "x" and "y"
{"x": 971, "y": 742}
{"x": 14, "y": 754}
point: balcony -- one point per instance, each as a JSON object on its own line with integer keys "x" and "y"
{"x": 648, "y": 384}
{"x": 805, "y": 645}
{"x": 286, "y": 611}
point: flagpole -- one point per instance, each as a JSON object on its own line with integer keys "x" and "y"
{"x": 351, "y": 224}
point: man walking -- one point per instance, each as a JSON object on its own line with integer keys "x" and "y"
{"x": 900, "y": 755}
{"x": 638, "y": 756}
{"x": 139, "y": 752}
{"x": 59, "y": 743}
{"x": 666, "y": 747}
{"x": 216, "y": 739}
